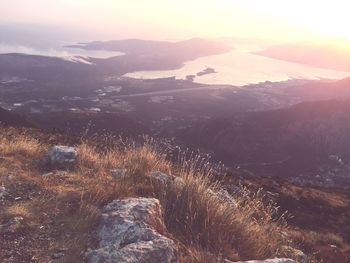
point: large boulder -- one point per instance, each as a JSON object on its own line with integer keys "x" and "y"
{"x": 62, "y": 155}
{"x": 131, "y": 231}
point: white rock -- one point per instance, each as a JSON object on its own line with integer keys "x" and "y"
{"x": 129, "y": 232}
{"x": 59, "y": 155}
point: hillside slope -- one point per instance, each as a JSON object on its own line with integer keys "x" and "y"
{"x": 280, "y": 142}
{"x": 51, "y": 213}
{"x": 51, "y": 210}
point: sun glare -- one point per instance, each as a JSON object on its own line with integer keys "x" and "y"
{"x": 284, "y": 20}
{"x": 323, "y": 18}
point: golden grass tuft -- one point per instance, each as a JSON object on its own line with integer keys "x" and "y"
{"x": 20, "y": 144}
{"x": 21, "y": 209}
{"x": 198, "y": 217}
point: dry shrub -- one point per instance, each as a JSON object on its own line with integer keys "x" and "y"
{"x": 244, "y": 229}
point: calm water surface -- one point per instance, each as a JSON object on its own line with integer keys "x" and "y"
{"x": 241, "y": 67}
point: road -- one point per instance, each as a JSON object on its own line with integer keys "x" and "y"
{"x": 164, "y": 92}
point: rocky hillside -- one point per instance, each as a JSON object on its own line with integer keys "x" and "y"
{"x": 72, "y": 200}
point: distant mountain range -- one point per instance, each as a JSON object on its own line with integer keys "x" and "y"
{"x": 139, "y": 55}
{"x": 188, "y": 49}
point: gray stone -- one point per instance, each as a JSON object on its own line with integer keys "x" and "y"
{"x": 118, "y": 173}
{"x": 58, "y": 255}
{"x": 16, "y": 221}
{"x": 61, "y": 155}
{"x": 48, "y": 174}
{"x": 299, "y": 255}
{"x": 162, "y": 177}
{"x": 130, "y": 231}
{"x": 7, "y": 178}
{"x": 61, "y": 173}
{"x": 2, "y": 192}
{"x": 55, "y": 173}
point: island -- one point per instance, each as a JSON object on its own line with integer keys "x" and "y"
{"x": 206, "y": 71}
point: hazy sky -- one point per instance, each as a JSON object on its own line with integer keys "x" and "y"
{"x": 175, "y": 19}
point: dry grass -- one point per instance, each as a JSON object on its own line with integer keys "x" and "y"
{"x": 205, "y": 227}
{"x": 20, "y": 145}
{"x": 310, "y": 239}
{"x": 245, "y": 229}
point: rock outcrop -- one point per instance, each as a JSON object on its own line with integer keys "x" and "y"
{"x": 61, "y": 155}
{"x": 130, "y": 231}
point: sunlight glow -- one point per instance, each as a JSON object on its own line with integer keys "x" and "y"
{"x": 162, "y": 19}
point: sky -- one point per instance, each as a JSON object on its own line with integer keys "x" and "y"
{"x": 180, "y": 19}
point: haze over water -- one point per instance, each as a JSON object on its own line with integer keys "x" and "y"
{"x": 240, "y": 67}
{"x": 56, "y": 51}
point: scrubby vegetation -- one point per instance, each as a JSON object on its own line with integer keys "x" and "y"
{"x": 59, "y": 209}
{"x": 199, "y": 221}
